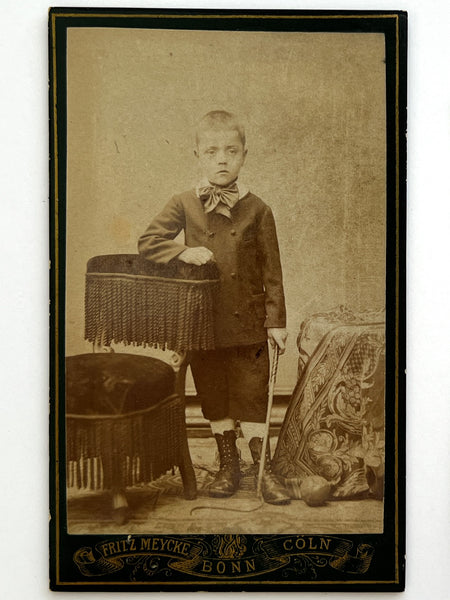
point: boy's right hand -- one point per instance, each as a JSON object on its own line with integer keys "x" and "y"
{"x": 196, "y": 256}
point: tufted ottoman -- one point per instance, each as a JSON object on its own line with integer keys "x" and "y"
{"x": 125, "y": 424}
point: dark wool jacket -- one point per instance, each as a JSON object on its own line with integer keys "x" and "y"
{"x": 250, "y": 296}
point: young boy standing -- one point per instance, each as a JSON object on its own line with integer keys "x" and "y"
{"x": 224, "y": 222}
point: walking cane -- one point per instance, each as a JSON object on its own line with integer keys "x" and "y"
{"x": 273, "y": 376}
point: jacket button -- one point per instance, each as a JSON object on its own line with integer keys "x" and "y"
{"x": 233, "y": 275}
{"x": 211, "y": 234}
{"x": 233, "y": 232}
{"x": 236, "y": 314}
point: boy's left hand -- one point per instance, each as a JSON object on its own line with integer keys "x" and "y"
{"x": 278, "y": 336}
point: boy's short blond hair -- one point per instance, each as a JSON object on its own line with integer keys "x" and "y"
{"x": 220, "y": 119}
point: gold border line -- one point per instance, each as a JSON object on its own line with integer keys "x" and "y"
{"x": 231, "y": 16}
{"x": 229, "y": 582}
{"x": 56, "y": 307}
{"x": 56, "y": 270}
{"x": 397, "y": 284}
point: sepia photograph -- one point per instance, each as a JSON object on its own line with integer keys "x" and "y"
{"x": 227, "y": 339}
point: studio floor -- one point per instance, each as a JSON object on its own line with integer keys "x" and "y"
{"x": 159, "y": 507}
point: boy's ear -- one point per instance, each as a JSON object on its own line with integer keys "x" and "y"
{"x": 195, "y": 153}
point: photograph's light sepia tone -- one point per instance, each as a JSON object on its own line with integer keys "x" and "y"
{"x": 314, "y": 110}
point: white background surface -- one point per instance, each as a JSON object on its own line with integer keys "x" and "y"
{"x": 24, "y": 256}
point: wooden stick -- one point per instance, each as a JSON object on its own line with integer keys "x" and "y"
{"x": 273, "y": 376}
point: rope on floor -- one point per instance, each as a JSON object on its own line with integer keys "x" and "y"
{"x": 238, "y": 510}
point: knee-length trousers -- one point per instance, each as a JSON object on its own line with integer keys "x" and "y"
{"x": 232, "y": 382}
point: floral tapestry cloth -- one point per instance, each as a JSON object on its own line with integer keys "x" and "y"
{"x": 334, "y": 425}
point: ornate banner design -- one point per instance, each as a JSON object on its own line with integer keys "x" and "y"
{"x": 226, "y": 556}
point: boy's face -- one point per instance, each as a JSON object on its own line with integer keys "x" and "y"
{"x": 221, "y": 155}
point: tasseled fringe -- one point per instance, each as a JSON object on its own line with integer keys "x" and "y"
{"x": 107, "y": 453}
{"x": 149, "y": 311}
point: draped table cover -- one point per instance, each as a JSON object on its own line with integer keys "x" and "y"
{"x": 334, "y": 424}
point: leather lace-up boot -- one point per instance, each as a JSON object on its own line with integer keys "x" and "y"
{"x": 226, "y": 480}
{"x": 273, "y": 491}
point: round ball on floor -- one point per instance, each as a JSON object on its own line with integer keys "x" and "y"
{"x": 315, "y": 490}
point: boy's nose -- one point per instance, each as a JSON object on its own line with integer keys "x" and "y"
{"x": 221, "y": 158}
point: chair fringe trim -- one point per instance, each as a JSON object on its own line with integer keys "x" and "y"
{"x": 134, "y": 310}
{"x": 136, "y": 449}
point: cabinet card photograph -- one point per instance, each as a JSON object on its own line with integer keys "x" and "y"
{"x": 227, "y": 292}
